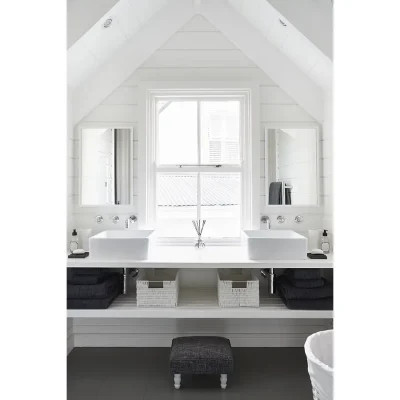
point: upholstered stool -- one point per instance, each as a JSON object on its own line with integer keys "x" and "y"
{"x": 197, "y": 355}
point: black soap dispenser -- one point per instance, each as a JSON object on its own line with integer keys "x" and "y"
{"x": 325, "y": 245}
{"x": 73, "y": 243}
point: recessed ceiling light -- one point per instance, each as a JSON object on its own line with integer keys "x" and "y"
{"x": 282, "y": 23}
{"x": 107, "y": 23}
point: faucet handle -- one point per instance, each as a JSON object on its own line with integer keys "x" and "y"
{"x": 265, "y": 219}
{"x": 115, "y": 219}
{"x": 299, "y": 219}
{"x": 281, "y": 219}
{"x": 132, "y": 219}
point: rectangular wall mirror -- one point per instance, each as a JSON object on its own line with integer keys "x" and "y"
{"x": 291, "y": 166}
{"x": 106, "y": 166}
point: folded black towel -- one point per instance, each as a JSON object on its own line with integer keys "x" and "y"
{"x": 291, "y": 292}
{"x": 88, "y": 276}
{"x": 316, "y": 304}
{"x": 303, "y": 273}
{"x": 317, "y": 256}
{"x": 93, "y": 304}
{"x": 275, "y": 193}
{"x": 307, "y": 283}
{"x": 97, "y": 291}
{"x": 288, "y": 196}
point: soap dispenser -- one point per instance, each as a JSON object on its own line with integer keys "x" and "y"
{"x": 73, "y": 243}
{"x": 325, "y": 245}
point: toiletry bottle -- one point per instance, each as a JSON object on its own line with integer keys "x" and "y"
{"x": 325, "y": 245}
{"x": 73, "y": 243}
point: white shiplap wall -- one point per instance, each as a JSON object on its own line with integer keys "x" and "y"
{"x": 71, "y": 164}
{"x": 90, "y": 332}
{"x": 196, "y": 52}
{"x": 327, "y": 163}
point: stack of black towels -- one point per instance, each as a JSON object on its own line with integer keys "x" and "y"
{"x": 92, "y": 288}
{"x": 305, "y": 289}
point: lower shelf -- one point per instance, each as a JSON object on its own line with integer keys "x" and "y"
{"x": 198, "y": 303}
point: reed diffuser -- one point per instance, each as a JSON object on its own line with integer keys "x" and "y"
{"x": 199, "y": 226}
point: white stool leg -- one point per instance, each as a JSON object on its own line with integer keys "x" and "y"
{"x": 177, "y": 381}
{"x": 224, "y": 379}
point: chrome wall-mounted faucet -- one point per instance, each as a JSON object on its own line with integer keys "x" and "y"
{"x": 266, "y": 220}
{"x": 131, "y": 220}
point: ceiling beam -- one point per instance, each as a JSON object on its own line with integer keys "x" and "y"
{"x": 263, "y": 53}
{"x": 120, "y": 66}
{"x": 313, "y": 18}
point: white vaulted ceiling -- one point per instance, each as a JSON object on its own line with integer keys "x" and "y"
{"x": 289, "y": 39}
{"x": 313, "y": 18}
{"x": 82, "y": 15}
{"x": 94, "y": 47}
{"x": 101, "y": 59}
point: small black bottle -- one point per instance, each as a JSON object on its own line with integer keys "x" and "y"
{"x": 73, "y": 243}
{"x": 325, "y": 245}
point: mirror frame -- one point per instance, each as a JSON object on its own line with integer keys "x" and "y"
{"x": 115, "y": 208}
{"x": 293, "y": 209}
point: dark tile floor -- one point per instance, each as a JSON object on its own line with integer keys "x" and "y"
{"x": 142, "y": 374}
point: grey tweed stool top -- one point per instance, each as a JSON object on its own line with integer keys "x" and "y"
{"x": 201, "y": 355}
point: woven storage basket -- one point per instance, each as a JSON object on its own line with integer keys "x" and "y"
{"x": 319, "y": 352}
{"x": 157, "y": 288}
{"x": 238, "y": 288}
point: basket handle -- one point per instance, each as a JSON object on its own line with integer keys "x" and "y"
{"x": 239, "y": 285}
{"x": 156, "y": 285}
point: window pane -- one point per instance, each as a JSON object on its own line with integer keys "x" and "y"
{"x": 177, "y": 130}
{"x": 176, "y": 204}
{"x": 220, "y": 204}
{"x": 220, "y": 127}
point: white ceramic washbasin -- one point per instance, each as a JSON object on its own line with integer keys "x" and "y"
{"x": 275, "y": 245}
{"x": 120, "y": 245}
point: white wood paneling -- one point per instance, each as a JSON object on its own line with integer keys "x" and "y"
{"x": 110, "y": 75}
{"x": 120, "y": 106}
{"x": 198, "y": 24}
{"x": 285, "y": 73}
{"x": 274, "y": 95}
{"x": 197, "y": 58}
{"x": 113, "y": 113}
{"x": 276, "y": 105}
{"x": 198, "y": 41}
{"x": 327, "y": 147}
{"x": 159, "y": 333}
{"x": 284, "y": 113}
{"x": 124, "y": 95}
{"x": 230, "y": 73}
{"x": 327, "y": 167}
{"x": 326, "y": 186}
{"x": 157, "y": 340}
{"x": 326, "y": 154}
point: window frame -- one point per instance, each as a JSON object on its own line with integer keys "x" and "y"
{"x": 250, "y": 152}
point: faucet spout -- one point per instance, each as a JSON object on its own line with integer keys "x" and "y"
{"x": 266, "y": 220}
{"x": 131, "y": 220}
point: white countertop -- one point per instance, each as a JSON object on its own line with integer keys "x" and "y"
{"x": 208, "y": 257}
